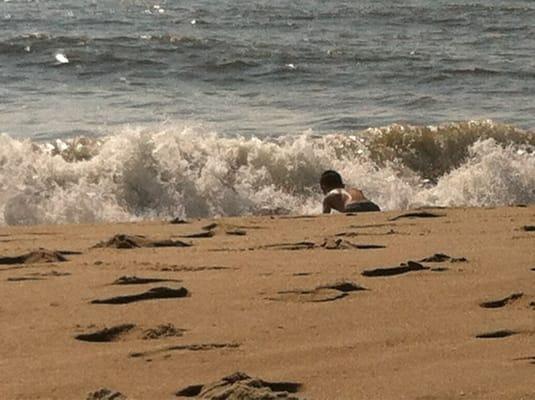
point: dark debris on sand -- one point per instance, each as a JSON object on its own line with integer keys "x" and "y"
{"x": 123, "y": 241}
{"x": 240, "y": 386}
{"x": 529, "y": 228}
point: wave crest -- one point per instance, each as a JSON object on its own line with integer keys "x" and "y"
{"x": 189, "y": 172}
{"x": 433, "y": 151}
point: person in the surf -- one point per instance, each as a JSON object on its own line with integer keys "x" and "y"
{"x": 342, "y": 199}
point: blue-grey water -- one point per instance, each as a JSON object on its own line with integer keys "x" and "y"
{"x": 129, "y": 109}
{"x": 263, "y": 67}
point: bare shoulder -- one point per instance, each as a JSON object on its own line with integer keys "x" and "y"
{"x": 334, "y": 197}
{"x": 356, "y": 194}
{"x": 333, "y": 200}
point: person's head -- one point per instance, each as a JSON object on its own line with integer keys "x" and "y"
{"x": 330, "y": 180}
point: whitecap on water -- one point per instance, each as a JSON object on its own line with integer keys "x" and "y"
{"x": 61, "y": 58}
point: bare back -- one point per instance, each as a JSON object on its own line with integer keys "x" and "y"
{"x": 338, "y": 199}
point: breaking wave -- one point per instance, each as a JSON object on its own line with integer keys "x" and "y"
{"x": 190, "y": 172}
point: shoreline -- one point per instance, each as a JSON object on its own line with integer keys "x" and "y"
{"x": 263, "y": 295}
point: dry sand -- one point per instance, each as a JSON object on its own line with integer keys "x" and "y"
{"x": 271, "y": 297}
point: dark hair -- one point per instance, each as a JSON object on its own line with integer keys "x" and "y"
{"x": 332, "y": 179}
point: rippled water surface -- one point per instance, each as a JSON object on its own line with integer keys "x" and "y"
{"x": 262, "y": 68}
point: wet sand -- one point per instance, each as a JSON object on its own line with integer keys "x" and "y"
{"x": 433, "y": 306}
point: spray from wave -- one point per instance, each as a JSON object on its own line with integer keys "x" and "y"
{"x": 188, "y": 172}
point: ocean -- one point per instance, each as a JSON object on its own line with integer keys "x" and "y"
{"x": 128, "y": 110}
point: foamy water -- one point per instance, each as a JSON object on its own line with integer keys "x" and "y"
{"x": 189, "y": 172}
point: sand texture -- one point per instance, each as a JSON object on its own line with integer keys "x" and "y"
{"x": 435, "y": 304}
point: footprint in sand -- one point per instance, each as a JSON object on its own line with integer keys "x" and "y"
{"x": 24, "y": 278}
{"x": 418, "y": 214}
{"x": 151, "y": 294}
{"x": 107, "y": 334}
{"x": 198, "y": 235}
{"x": 380, "y": 225}
{"x": 322, "y": 293}
{"x": 302, "y": 274}
{"x": 135, "y": 280}
{"x": 295, "y": 217}
{"x": 210, "y": 226}
{"x": 162, "y": 331}
{"x": 122, "y": 241}
{"x": 37, "y": 276}
{"x": 327, "y": 244}
{"x": 210, "y": 230}
{"x": 187, "y": 268}
{"x": 178, "y": 221}
{"x": 355, "y": 234}
{"x": 37, "y": 256}
{"x": 286, "y": 246}
{"x": 341, "y": 244}
{"x": 126, "y": 331}
{"x": 51, "y": 273}
{"x": 410, "y": 266}
{"x": 241, "y": 386}
{"x": 512, "y": 298}
{"x": 185, "y": 347}
{"x": 441, "y": 257}
{"x": 236, "y": 232}
{"x": 530, "y": 359}
{"x": 499, "y": 334}
{"x": 106, "y": 394}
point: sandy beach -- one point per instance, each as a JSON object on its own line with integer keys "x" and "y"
{"x": 430, "y": 304}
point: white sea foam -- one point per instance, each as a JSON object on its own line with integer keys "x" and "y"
{"x": 492, "y": 176}
{"x": 188, "y": 172}
{"x": 61, "y": 58}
